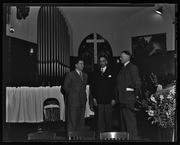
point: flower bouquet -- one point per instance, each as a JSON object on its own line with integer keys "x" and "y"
{"x": 161, "y": 105}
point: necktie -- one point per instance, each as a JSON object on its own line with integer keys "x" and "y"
{"x": 81, "y": 76}
{"x": 101, "y": 71}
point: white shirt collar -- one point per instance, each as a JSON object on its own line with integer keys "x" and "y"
{"x": 104, "y": 68}
{"x": 78, "y": 71}
{"x": 126, "y": 63}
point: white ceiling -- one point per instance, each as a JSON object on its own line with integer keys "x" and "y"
{"x": 78, "y": 15}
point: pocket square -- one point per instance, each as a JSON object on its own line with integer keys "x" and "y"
{"x": 129, "y": 89}
{"x": 109, "y": 76}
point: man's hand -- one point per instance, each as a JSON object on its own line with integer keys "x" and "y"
{"x": 95, "y": 102}
{"x": 113, "y": 102}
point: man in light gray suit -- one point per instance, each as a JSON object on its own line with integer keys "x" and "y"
{"x": 75, "y": 90}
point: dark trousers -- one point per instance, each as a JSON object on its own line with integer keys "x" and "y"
{"x": 104, "y": 117}
{"x": 128, "y": 122}
{"x": 75, "y": 118}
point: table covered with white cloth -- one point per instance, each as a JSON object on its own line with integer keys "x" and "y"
{"x": 25, "y": 104}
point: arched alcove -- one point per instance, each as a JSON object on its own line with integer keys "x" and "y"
{"x": 91, "y": 48}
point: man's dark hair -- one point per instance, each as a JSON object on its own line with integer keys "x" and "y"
{"x": 126, "y": 52}
{"x": 103, "y": 56}
{"x": 78, "y": 59}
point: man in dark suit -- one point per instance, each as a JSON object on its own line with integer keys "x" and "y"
{"x": 104, "y": 94}
{"x": 75, "y": 89}
{"x": 127, "y": 87}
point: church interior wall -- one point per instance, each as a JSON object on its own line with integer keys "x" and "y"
{"x": 117, "y": 33}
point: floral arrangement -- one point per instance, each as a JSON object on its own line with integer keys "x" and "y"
{"x": 160, "y": 105}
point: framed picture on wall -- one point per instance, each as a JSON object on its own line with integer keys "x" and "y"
{"x": 149, "y": 54}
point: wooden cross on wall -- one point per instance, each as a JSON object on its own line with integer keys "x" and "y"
{"x": 95, "y": 41}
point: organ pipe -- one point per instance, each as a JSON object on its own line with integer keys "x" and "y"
{"x": 53, "y": 43}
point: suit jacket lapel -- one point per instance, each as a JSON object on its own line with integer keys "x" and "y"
{"x": 105, "y": 72}
{"x": 127, "y": 66}
{"x": 123, "y": 70}
{"x": 78, "y": 76}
